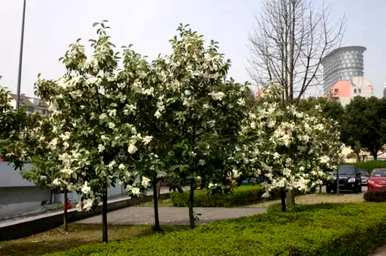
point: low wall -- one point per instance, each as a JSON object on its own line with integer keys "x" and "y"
{"x": 32, "y": 225}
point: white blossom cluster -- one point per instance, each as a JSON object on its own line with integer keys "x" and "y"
{"x": 290, "y": 148}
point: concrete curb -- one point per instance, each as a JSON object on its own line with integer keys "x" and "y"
{"x": 35, "y": 224}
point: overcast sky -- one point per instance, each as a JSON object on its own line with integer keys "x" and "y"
{"x": 148, "y": 24}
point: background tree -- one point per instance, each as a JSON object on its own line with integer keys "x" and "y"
{"x": 290, "y": 40}
{"x": 329, "y": 108}
{"x": 14, "y": 126}
{"x": 364, "y": 125}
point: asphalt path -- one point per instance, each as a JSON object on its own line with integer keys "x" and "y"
{"x": 171, "y": 215}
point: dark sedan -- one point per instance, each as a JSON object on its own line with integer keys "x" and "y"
{"x": 349, "y": 180}
{"x": 364, "y": 176}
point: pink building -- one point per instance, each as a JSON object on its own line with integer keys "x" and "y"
{"x": 345, "y": 90}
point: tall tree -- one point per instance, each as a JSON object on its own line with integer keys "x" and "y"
{"x": 288, "y": 44}
{"x": 292, "y": 149}
{"x": 93, "y": 112}
{"x": 202, "y": 110}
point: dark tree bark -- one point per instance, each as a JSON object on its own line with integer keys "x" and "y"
{"x": 191, "y": 202}
{"x": 65, "y": 224}
{"x": 282, "y": 198}
{"x": 157, "y": 226}
{"x": 51, "y": 196}
{"x": 105, "y": 238}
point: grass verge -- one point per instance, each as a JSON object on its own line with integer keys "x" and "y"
{"x": 78, "y": 234}
{"x": 326, "y": 229}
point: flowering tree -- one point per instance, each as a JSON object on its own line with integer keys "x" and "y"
{"x": 293, "y": 150}
{"x": 200, "y": 109}
{"x": 93, "y": 113}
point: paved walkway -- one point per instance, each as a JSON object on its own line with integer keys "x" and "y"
{"x": 380, "y": 251}
{"x": 171, "y": 215}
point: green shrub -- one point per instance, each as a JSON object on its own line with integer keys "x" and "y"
{"x": 375, "y": 196}
{"x": 329, "y": 229}
{"x": 243, "y": 195}
{"x": 371, "y": 165}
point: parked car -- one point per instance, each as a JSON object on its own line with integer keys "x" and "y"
{"x": 377, "y": 180}
{"x": 349, "y": 179}
{"x": 364, "y": 176}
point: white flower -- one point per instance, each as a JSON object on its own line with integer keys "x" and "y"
{"x": 149, "y": 91}
{"x": 145, "y": 182}
{"x": 103, "y": 116}
{"x": 67, "y": 171}
{"x": 56, "y": 182}
{"x": 147, "y": 139}
{"x": 157, "y": 114}
{"x": 111, "y": 165}
{"x": 111, "y": 125}
{"x": 217, "y": 95}
{"x": 133, "y": 190}
{"x": 112, "y": 112}
{"x": 241, "y": 102}
{"x": 132, "y": 149}
{"x": 266, "y": 194}
{"x": 236, "y": 173}
{"x": 121, "y": 167}
{"x": 88, "y": 203}
{"x": 53, "y": 143}
{"x": 101, "y": 148}
{"x": 324, "y": 159}
{"x": 86, "y": 189}
{"x": 65, "y": 136}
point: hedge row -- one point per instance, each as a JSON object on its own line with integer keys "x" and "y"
{"x": 375, "y": 196}
{"x": 371, "y": 165}
{"x": 330, "y": 229}
{"x": 243, "y": 195}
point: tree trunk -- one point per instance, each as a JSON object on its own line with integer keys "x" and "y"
{"x": 65, "y": 225}
{"x": 375, "y": 154}
{"x": 157, "y": 226}
{"x": 358, "y": 157}
{"x": 51, "y": 196}
{"x": 290, "y": 199}
{"x": 282, "y": 197}
{"x": 159, "y": 189}
{"x": 105, "y": 238}
{"x": 191, "y": 202}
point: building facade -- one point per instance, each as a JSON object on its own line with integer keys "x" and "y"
{"x": 384, "y": 92}
{"x": 343, "y": 74}
{"x": 32, "y": 105}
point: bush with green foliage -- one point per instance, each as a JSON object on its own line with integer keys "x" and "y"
{"x": 243, "y": 195}
{"x": 307, "y": 230}
{"x": 371, "y": 165}
{"x": 375, "y": 196}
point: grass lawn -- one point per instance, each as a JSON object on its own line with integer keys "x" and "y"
{"x": 57, "y": 240}
{"x": 324, "y": 229}
{"x": 78, "y": 234}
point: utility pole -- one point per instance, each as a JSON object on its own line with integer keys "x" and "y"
{"x": 20, "y": 58}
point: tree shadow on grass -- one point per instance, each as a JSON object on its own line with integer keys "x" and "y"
{"x": 79, "y": 234}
